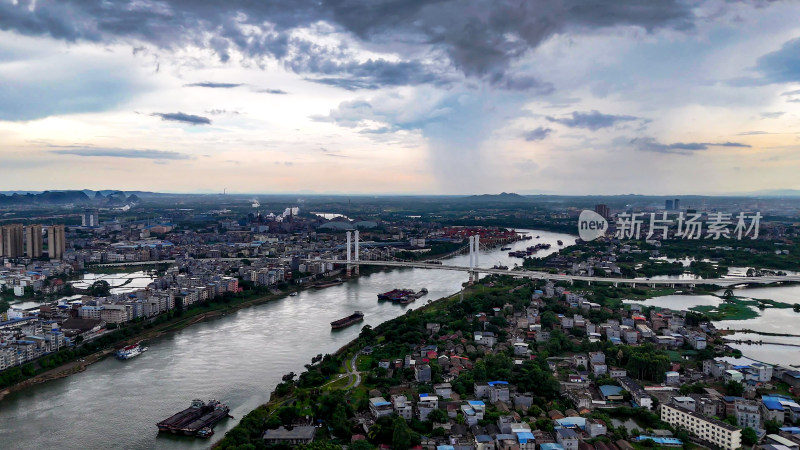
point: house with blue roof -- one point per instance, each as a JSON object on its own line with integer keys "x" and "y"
{"x": 661, "y": 441}
{"x": 611, "y": 393}
{"x": 551, "y": 446}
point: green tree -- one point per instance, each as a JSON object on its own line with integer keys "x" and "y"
{"x": 100, "y": 288}
{"x": 734, "y": 388}
{"x": 402, "y": 438}
{"x": 437, "y": 416}
{"x": 339, "y": 422}
{"x": 361, "y": 445}
{"x": 749, "y": 436}
{"x": 772, "y": 426}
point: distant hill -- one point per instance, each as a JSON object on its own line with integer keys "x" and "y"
{"x": 501, "y": 197}
{"x": 46, "y": 197}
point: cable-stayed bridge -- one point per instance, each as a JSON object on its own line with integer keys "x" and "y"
{"x": 379, "y": 257}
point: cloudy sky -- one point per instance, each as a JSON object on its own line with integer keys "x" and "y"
{"x": 400, "y": 96}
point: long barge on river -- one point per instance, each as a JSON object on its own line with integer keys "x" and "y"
{"x": 196, "y": 420}
{"x": 357, "y": 316}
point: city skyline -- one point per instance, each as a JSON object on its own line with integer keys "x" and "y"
{"x": 390, "y": 98}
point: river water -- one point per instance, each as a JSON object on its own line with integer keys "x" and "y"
{"x": 238, "y": 359}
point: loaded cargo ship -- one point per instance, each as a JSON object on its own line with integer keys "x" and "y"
{"x": 395, "y": 294}
{"x": 130, "y": 351}
{"x": 335, "y": 282}
{"x": 196, "y": 420}
{"x": 357, "y": 316}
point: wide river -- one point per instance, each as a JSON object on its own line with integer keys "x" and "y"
{"x": 238, "y": 359}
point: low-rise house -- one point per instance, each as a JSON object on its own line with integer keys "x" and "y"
{"x": 422, "y": 373}
{"x": 443, "y": 389}
{"x": 748, "y": 414}
{"x": 685, "y": 403}
{"x": 611, "y": 393}
{"x": 733, "y": 375}
{"x": 616, "y": 372}
{"x": 567, "y": 438}
{"x": 427, "y": 403}
{"x": 379, "y": 407}
{"x": 402, "y": 407}
{"x": 522, "y": 402}
{"x": 296, "y": 436}
{"x": 498, "y": 391}
{"x": 640, "y": 396}
{"x": 672, "y": 378}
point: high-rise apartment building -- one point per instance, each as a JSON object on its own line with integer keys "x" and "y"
{"x": 669, "y": 205}
{"x": 12, "y": 240}
{"x": 56, "y": 244}
{"x": 677, "y": 203}
{"x": 33, "y": 241}
{"x": 602, "y": 210}
{"x": 90, "y": 219}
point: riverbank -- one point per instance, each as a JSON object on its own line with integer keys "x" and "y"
{"x": 199, "y": 313}
{"x": 292, "y": 393}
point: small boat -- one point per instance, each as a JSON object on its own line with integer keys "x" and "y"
{"x": 293, "y": 294}
{"x": 560, "y": 242}
{"x": 505, "y": 248}
{"x": 537, "y": 237}
{"x": 130, "y": 351}
{"x": 500, "y": 267}
{"x": 421, "y": 293}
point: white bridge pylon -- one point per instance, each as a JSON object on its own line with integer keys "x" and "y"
{"x": 474, "y": 251}
{"x": 350, "y": 260}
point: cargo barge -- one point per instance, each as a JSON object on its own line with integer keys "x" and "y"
{"x": 196, "y": 420}
{"x": 396, "y": 294}
{"x": 336, "y": 282}
{"x": 357, "y": 316}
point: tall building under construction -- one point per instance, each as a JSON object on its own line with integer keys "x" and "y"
{"x": 11, "y": 240}
{"x": 33, "y": 241}
{"x": 56, "y": 244}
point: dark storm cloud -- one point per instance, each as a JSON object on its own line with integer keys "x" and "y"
{"x": 593, "y": 120}
{"x": 119, "y": 153}
{"x": 479, "y": 38}
{"x": 209, "y": 84}
{"x": 681, "y": 148}
{"x": 372, "y": 74}
{"x": 185, "y": 118}
{"x": 783, "y": 65}
{"x": 537, "y": 134}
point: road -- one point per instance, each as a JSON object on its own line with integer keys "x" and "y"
{"x": 355, "y": 375}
